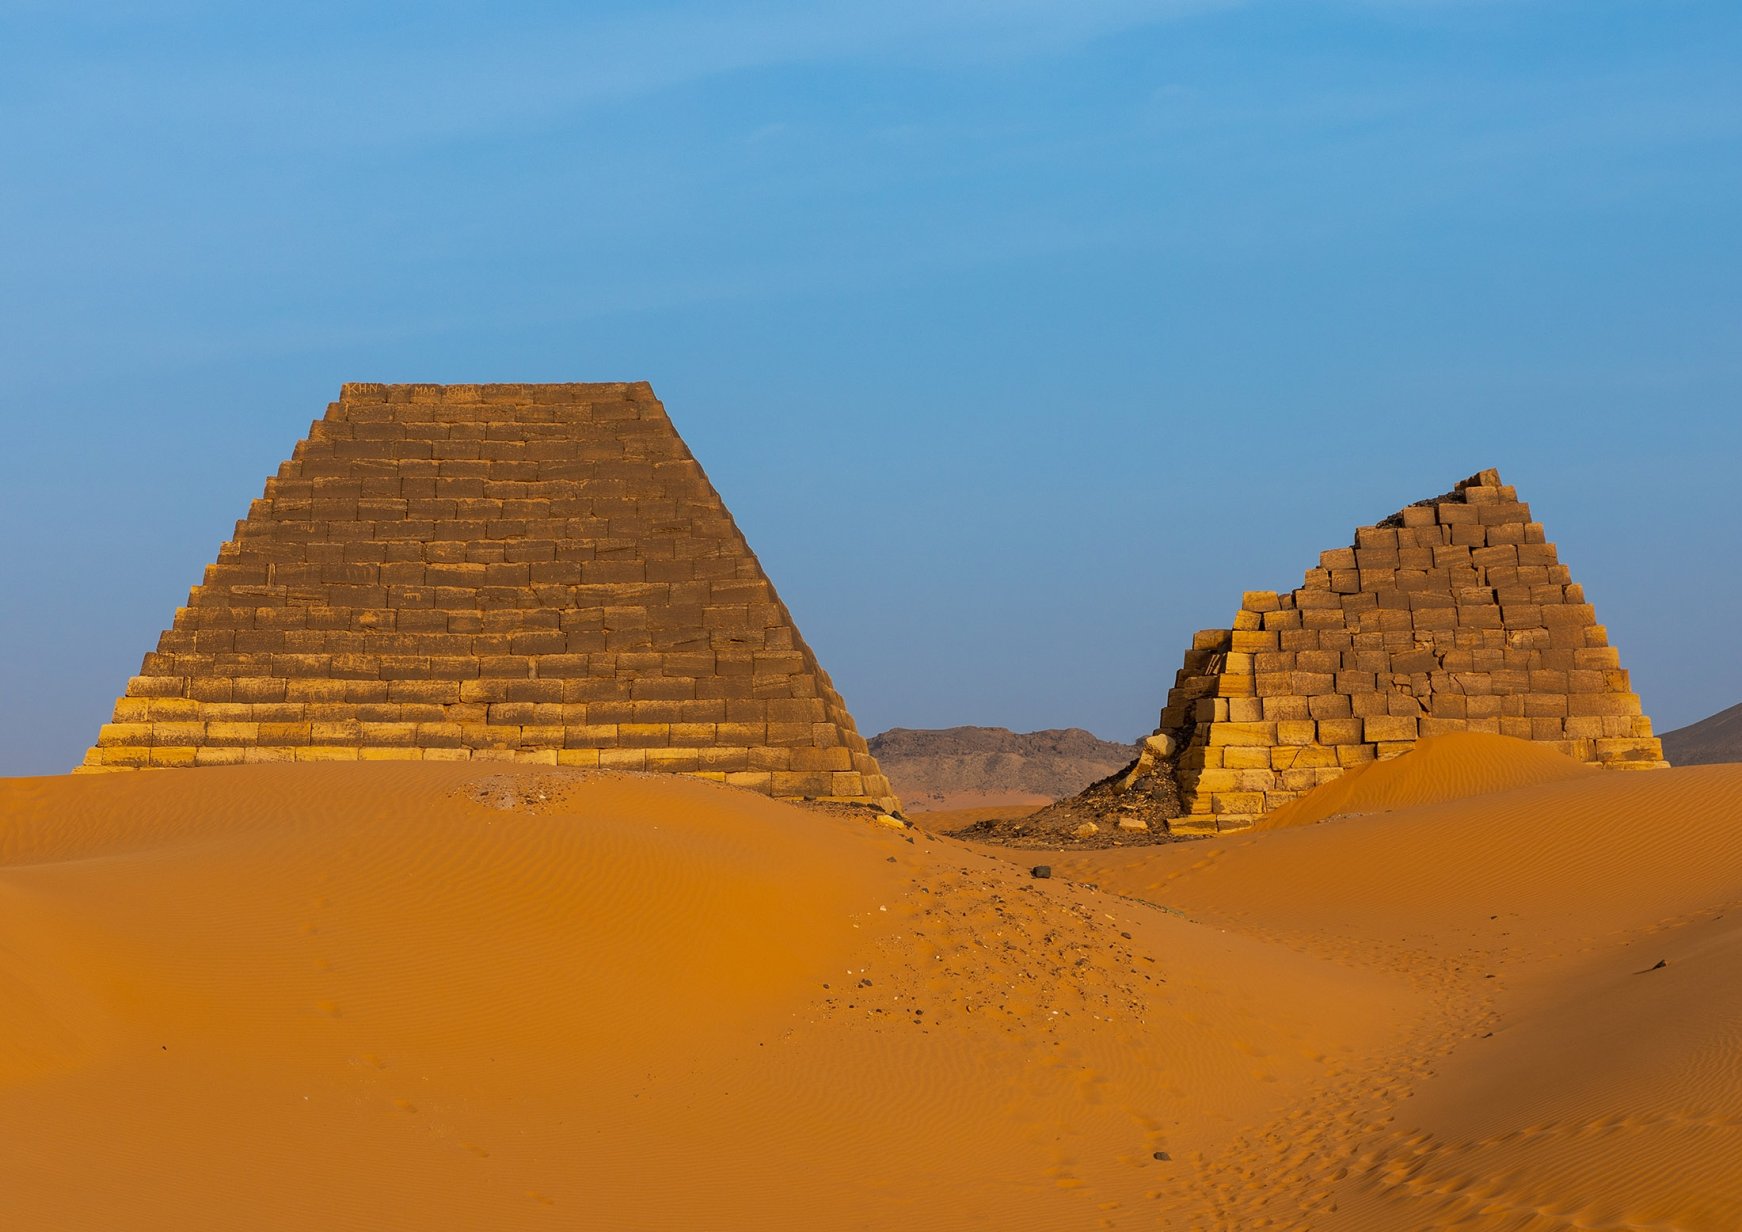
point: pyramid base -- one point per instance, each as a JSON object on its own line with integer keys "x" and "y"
{"x": 1201, "y": 825}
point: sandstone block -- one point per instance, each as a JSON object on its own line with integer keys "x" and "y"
{"x": 1610, "y": 704}
{"x": 1240, "y": 803}
{"x": 1614, "y": 751}
{"x": 1244, "y": 709}
{"x": 1232, "y": 733}
{"x": 214, "y": 755}
{"x": 803, "y": 783}
{"x": 1305, "y": 757}
{"x": 1332, "y": 706}
{"x": 623, "y": 759}
{"x": 1276, "y": 709}
{"x": 839, "y": 758}
{"x": 124, "y": 735}
{"x": 1378, "y": 729}
{"x": 1338, "y": 731}
{"x": 1246, "y": 757}
{"x": 1214, "y": 779}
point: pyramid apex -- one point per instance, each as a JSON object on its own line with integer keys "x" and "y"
{"x": 1489, "y": 478}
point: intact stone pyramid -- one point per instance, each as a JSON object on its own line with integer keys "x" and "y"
{"x": 1452, "y": 615}
{"x": 537, "y": 573}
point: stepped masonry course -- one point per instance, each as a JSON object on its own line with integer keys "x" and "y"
{"x": 1452, "y": 615}
{"x": 537, "y": 573}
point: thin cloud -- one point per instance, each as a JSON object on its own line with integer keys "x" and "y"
{"x": 381, "y": 86}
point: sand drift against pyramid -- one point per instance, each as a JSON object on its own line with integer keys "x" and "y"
{"x": 536, "y": 573}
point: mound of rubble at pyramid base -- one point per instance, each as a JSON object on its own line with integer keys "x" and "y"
{"x": 1139, "y": 806}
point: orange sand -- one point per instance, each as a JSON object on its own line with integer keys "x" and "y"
{"x": 1450, "y": 767}
{"x": 420, "y": 996}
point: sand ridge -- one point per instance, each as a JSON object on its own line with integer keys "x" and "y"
{"x": 418, "y": 995}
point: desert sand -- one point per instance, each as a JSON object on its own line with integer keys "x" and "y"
{"x": 452, "y": 995}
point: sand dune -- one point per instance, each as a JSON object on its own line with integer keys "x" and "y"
{"x": 1455, "y": 766}
{"x": 451, "y": 996}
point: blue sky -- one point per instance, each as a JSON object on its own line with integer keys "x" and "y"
{"x": 1019, "y": 336}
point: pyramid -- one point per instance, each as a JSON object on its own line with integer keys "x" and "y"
{"x": 1453, "y": 614}
{"x": 535, "y": 573}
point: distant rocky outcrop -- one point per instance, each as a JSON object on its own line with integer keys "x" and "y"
{"x": 965, "y": 767}
{"x": 1711, "y": 740}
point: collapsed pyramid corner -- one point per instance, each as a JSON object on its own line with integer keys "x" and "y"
{"x": 532, "y": 573}
{"x": 1453, "y": 614}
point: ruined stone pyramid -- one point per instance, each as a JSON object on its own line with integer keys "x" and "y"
{"x": 1453, "y": 614}
{"x": 536, "y": 573}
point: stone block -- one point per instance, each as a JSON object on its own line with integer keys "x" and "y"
{"x": 807, "y": 783}
{"x": 1313, "y": 684}
{"x": 1287, "y": 707}
{"x": 1210, "y": 780}
{"x": 643, "y": 735}
{"x": 1340, "y": 731}
{"x": 1304, "y": 757}
{"x": 124, "y": 735}
{"x": 1244, "y": 709}
{"x": 1446, "y": 706}
{"x": 838, "y": 758}
{"x": 623, "y": 759}
{"x": 1248, "y": 803}
{"x": 327, "y": 752}
{"x": 1246, "y": 757}
{"x": 1388, "y": 728}
{"x": 543, "y": 736}
{"x": 1604, "y": 704}
{"x": 231, "y": 734}
{"x": 1231, "y": 733}
{"x": 283, "y": 734}
{"x": 1331, "y": 706}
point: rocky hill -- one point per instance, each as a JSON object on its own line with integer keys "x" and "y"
{"x": 968, "y": 767}
{"x": 1714, "y": 739}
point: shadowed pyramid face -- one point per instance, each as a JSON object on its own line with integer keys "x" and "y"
{"x": 535, "y": 573}
{"x": 1453, "y": 614}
